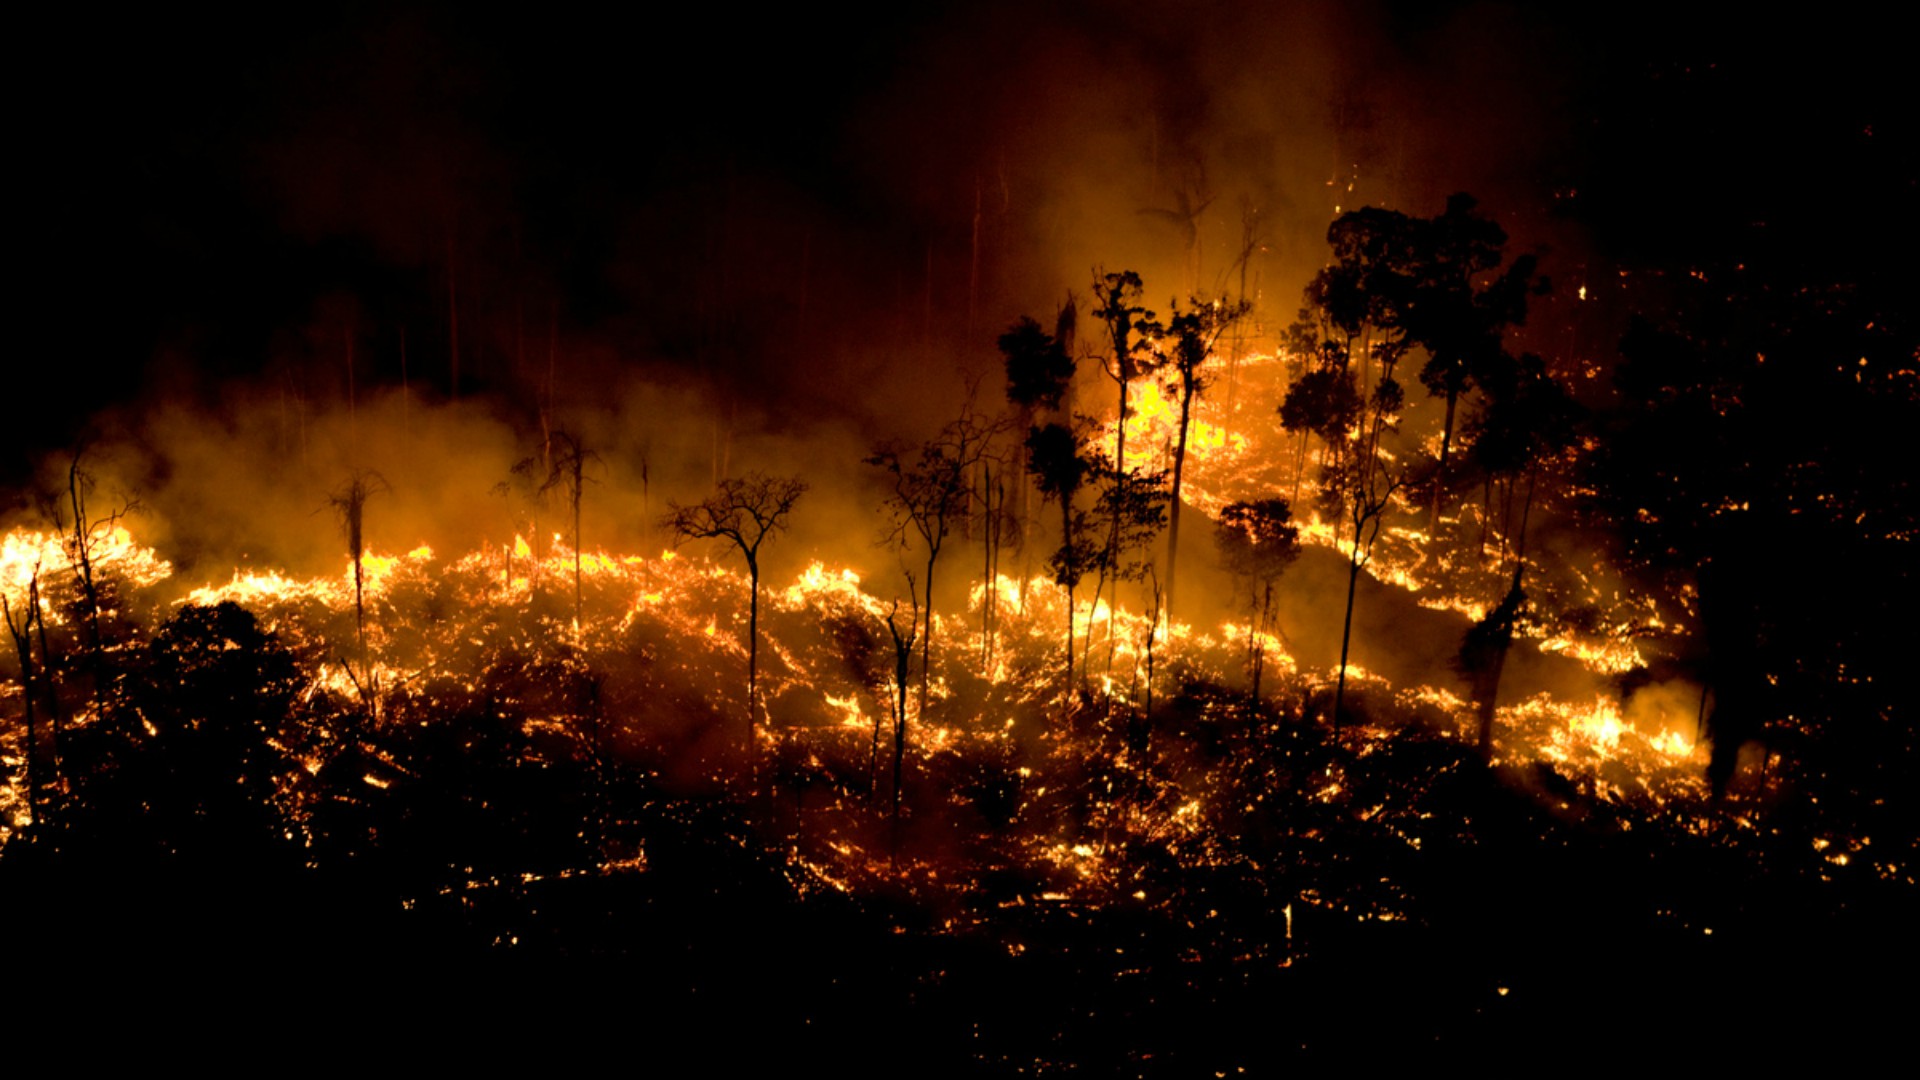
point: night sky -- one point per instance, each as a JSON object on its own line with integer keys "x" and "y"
{"x": 787, "y": 203}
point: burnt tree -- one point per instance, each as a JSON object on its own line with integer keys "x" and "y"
{"x": 746, "y": 512}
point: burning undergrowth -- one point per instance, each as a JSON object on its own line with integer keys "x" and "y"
{"x": 643, "y": 669}
{"x": 518, "y": 746}
{"x": 495, "y": 741}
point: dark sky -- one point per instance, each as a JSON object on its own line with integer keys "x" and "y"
{"x": 814, "y": 208}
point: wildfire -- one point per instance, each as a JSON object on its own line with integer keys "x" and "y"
{"x": 1596, "y": 738}
{"x": 674, "y": 602}
{"x": 113, "y": 552}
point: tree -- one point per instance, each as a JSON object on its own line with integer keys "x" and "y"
{"x": 1257, "y": 542}
{"x": 1375, "y": 302}
{"x": 1038, "y": 368}
{"x": 1131, "y": 510}
{"x": 931, "y": 489}
{"x": 902, "y": 668}
{"x": 1527, "y": 422}
{"x": 1039, "y": 376}
{"x": 1061, "y": 464}
{"x": 1398, "y": 283}
{"x": 84, "y": 535}
{"x": 1194, "y": 333}
{"x": 1323, "y": 402}
{"x": 746, "y": 512}
{"x": 1365, "y": 489}
{"x": 1482, "y": 656}
{"x": 1132, "y": 331}
{"x": 21, "y": 630}
{"x": 1459, "y": 321}
{"x": 1745, "y": 470}
{"x": 566, "y": 470}
{"x": 349, "y": 504}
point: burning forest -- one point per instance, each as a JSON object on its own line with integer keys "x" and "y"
{"x": 1154, "y": 580}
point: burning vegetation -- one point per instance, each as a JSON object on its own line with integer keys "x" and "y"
{"x": 1046, "y": 754}
{"x": 1420, "y": 650}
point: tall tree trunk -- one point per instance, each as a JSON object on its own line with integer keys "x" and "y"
{"x": 83, "y": 561}
{"x": 1346, "y": 628}
{"x": 1173, "y": 518}
{"x": 753, "y": 648}
{"x": 48, "y": 678}
{"x": 902, "y": 673}
{"x": 579, "y": 621}
{"x": 23, "y": 646}
{"x": 1500, "y": 622}
{"x": 873, "y": 753}
{"x": 988, "y": 594}
{"x": 1070, "y": 677}
{"x": 926, "y": 640}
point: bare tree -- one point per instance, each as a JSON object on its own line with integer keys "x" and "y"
{"x": 349, "y": 504}
{"x": 22, "y": 631}
{"x": 931, "y": 491}
{"x": 902, "y": 665}
{"x": 745, "y": 512}
{"x": 84, "y": 534}
{"x": 566, "y": 470}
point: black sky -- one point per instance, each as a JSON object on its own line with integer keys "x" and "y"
{"x": 787, "y": 202}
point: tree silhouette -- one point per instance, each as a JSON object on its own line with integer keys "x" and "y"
{"x": 349, "y": 504}
{"x": 746, "y": 512}
{"x": 1194, "y": 333}
{"x": 1257, "y": 542}
{"x": 1527, "y": 423}
{"x": 1131, "y": 330}
{"x": 21, "y": 629}
{"x": 1365, "y": 489}
{"x": 1482, "y": 657}
{"x": 931, "y": 489}
{"x": 1398, "y": 283}
{"x": 1746, "y": 463}
{"x": 1061, "y": 465}
{"x": 902, "y": 665}
{"x": 83, "y": 536}
{"x": 1040, "y": 369}
{"x": 1132, "y": 510}
{"x": 1323, "y": 402}
{"x": 1456, "y": 318}
{"x": 566, "y": 471}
